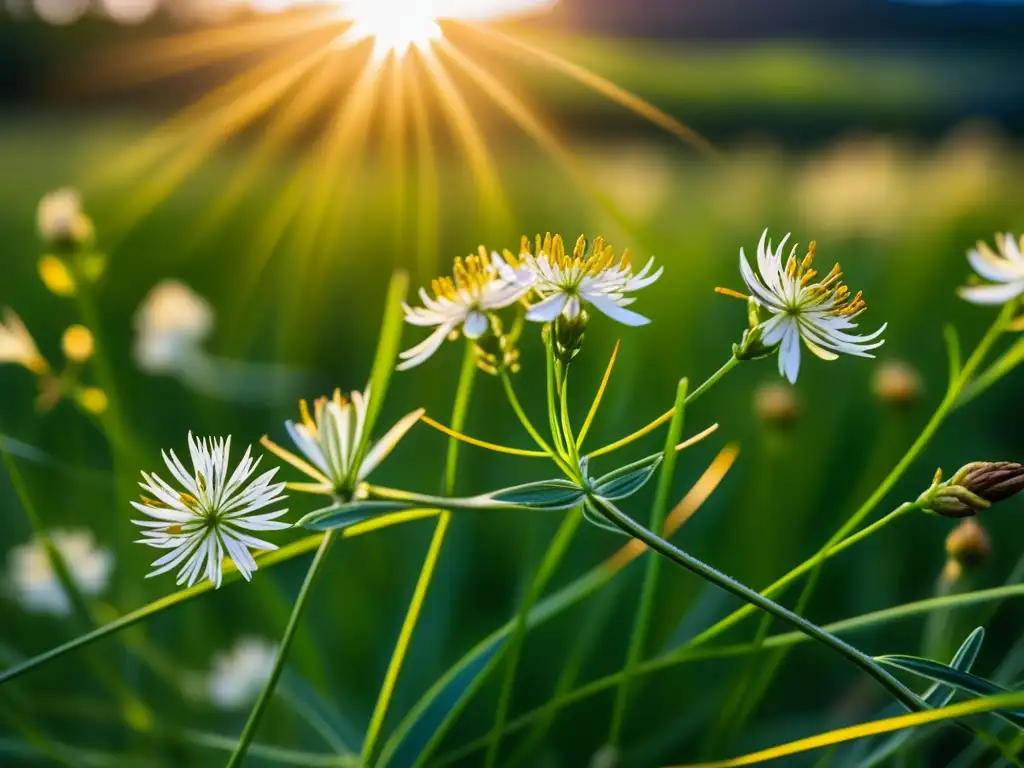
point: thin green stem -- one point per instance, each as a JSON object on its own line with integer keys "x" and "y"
{"x": 691, "y": 655}
{"x": 731, "y": 363}
{"x": 645, "y": 608}
{"x": 962, "y": 375}
{"x": 552, "y": 558}
{"x": 552, "y": 385}
{"x": 625, "y": 523}
{"x": 260, "y": 708}
{"x": 528, "y": 425}
{"x": 463, "y": 393}
{"x": 568, "y": 439}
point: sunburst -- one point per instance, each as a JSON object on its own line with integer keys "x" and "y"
{"x": 369, "y": 71}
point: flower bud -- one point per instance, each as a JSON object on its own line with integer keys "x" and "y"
{"x": 776, "y": 404}
{"x": 896, "y": 383}
{"x": 77, "y": 343}
{"x": 968, "y": 544}
{"x": 974, "y": 487}
{"x": 568, "y": 336}
{"x": 994, "y": 481}
{"x": 56, "y": 276}
{"x": 497, "y": 349}
{"x": 750, "y": 346}
{"x": 92, "y": 399}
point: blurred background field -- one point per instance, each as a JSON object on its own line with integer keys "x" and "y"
{"x": 895, "y": 151}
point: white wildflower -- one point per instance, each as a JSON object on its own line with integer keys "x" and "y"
{"x": 17, "y": 345}
{"x": 60, "y": 218}
{"x": 818, "y": 313}
{"x": 170, "y": 325}
{"x": 479, "y": 284}
{"x": 564, "y": 282}
{"x": 1005, "y": 270}
{"x": 35, "y": 584}
{"x": 207, "y": 519}
{"x": 239, "y": 675}
{"x": 330, "y": 439}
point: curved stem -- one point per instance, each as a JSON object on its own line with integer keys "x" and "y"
{"x": 645, "y": 608}
{"x": 622, "y": 521}
{"x": 555, "y": 552}
{"x": 528, "y": 425}
{"x": 249, "y": 732}
{"x": 667, "y": 416}
{"x": 463, "y": 393}
{"x": 949, "y": 401}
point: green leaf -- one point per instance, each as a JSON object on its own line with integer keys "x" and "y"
{"x": 384, "y": 360}
{"x": 546, "y": 494}
{"x": 591, "y": 515}
{"x": 964, "y": 681}
{"x": 345, "y": 515}
{"x": 627, "y": 480}
{"x": 936, "y": 697}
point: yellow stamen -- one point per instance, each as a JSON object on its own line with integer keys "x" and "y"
{"x": 307, "y": 420}
{"x": 731, "y": 292}
{"x": 294, "y": 460}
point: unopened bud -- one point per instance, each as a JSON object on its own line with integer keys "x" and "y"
{"x": 56, "y": 276}
{"x": 968, "y": 544}
{"x": 994, "y": 481}
{"x": 568, "y": 335}
{"x": 496, "y": 350}
{"x": 775, "y": 403}
{"x": 92, "y": 399}
{"x": 750, "y": 346}
{"x": 896, "y": 383}
{"x": 973, "y": 488}
{"x": 77, "y": 343}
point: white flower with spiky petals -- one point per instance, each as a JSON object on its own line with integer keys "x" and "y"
{"x": 17, "y": 344}
{"x": 330, "y": 439}
{"x": 35, "y": 584}
{"x": 479, "y": 285}
{"x": 564, "y": 282}
{"x": 818, "y": 313}
{"x": 207, "y": 520}
{"x": 1005, "y": 270}
{"x": 239, "y": 675}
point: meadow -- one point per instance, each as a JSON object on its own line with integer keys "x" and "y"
{"x": 898, "y": 213}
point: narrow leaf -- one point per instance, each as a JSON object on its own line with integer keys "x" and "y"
{"x": 626, "y": 481}
{"x": 935, "y": 697}
{"x": 546, "y": 494}
{"x": 964, "y": 681}
{"x": 591, "y": 515}
{"x": 345, "y": 515}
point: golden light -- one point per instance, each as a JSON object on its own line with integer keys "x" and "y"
{"x": 397, "y": 26}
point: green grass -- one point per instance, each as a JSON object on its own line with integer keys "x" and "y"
{"x": 319, "y": 311}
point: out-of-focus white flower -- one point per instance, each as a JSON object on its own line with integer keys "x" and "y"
{"x": 170, "y": 325}
{"x": 17, "y": 344}
{"x": 208, "y": 519}
{"x": 331, "y": 437}
{"x": 564, "y": 282}
{"x": 479, "y": 284}
{"x": 60, "y": 218}
{"x": 34, "y": 583}
{"x": 238, "y": 675}
{"x": 819, "y": 313}
{"x": 1005, "y": 270}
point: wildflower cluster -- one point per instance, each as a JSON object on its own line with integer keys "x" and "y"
{"x": 70, "y": 262}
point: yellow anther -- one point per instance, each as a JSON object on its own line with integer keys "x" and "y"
{"x": 808, "y": 276}
{"x": 306, "y": 418}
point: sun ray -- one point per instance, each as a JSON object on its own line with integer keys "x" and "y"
{"x": 395, "y": 137}
{"x": 532, "y": 125}
{"x": 280, "y": 131}
{"x": 463, "y": 124}
{"x": 426, "y": 182}
{"x": 163, "y": 58}
{"x": 595, "y": 82}
{"x": 220, "y": 129}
